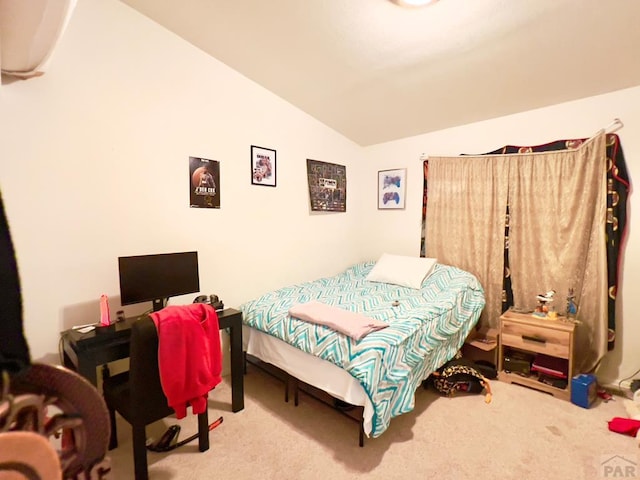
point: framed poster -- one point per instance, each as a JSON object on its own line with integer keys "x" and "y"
{"x": 327, "y": 186}
{"x": 204, "y": 183}
{"x": 392, "y": 187}
{"x": 263, "y": 166}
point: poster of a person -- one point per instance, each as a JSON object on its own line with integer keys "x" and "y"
{"x": 263, "y": 166}
{"x": 204, "y": 183}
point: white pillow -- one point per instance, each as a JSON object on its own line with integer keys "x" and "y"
{"x": 401, "y": 270}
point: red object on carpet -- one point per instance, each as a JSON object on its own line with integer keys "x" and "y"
{"x": 627, "y": 426}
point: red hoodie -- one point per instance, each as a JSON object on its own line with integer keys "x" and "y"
{"x": 189, "y": 355}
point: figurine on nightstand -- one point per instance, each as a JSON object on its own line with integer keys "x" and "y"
{"x": 572, "y": 307}
{"x": 544, "y": 299}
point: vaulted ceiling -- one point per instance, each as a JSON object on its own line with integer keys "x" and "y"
{"x": 375, "y": 71}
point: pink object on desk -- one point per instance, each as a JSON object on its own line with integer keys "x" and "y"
{"x": 105, "y": 318}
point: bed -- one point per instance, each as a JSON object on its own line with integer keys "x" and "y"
{"x": 382, "y": 371}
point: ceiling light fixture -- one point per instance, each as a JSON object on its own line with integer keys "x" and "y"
{"x": 413, "y": 3}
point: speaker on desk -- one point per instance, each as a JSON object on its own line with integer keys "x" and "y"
{"x": 212, "y": 300}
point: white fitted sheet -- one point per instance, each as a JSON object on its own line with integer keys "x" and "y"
{"x": 309, "y": 369}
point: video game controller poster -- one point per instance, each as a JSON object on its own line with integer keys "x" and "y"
{"x": 204, "y": 183}
{"x": 392, "y": 187}
{"x": 327, "y": 186}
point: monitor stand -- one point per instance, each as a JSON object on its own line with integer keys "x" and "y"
{"x": 159, "y": 303}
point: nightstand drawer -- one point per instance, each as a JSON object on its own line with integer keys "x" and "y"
{"x": 535, "y": 339}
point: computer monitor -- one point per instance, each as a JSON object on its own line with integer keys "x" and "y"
{"x": 155, "y": 278}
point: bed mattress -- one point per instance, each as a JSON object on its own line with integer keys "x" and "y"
{"x": 427, "y": 326}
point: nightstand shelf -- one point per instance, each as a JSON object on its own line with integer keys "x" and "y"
{"x": 526, "y": 335}
{"x": 482, "y": 345}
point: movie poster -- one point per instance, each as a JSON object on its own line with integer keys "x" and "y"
{"x": 204, "y": 183}
{"x": 327, "y": 186}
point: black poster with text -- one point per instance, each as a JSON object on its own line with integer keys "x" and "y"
{"x": 204, "y": 183}
{"x": 327, "y": 186}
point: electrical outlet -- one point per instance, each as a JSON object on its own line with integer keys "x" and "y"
{"x": 625, "y": 385}
{"x": 622, "y": 388}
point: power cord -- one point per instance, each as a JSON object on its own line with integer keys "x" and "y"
{"x": 633, "y": 382}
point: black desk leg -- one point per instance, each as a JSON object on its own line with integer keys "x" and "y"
{"x": 237, "y": 374}
{"x": 88, "y": 370}
{"x": 83, "y": 365}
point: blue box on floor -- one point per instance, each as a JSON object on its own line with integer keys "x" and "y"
{"x": 583, "y": 390}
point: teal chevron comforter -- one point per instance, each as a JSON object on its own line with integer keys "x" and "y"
{"x": 425, "y": 330}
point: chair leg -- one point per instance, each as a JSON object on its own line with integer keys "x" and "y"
{"x": 140, "y": 452}
{"x": 203, "y": 431}
{"x": 113, "y": 437}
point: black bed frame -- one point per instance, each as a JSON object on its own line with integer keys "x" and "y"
{"x": 354, "y": 413}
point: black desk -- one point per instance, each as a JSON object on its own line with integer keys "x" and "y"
{"x": 84, "y": 352}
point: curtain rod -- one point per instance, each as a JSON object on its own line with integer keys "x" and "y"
{"x": 614, "y": 126}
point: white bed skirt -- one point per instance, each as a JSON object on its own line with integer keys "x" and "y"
{"x": 309, "y": 369}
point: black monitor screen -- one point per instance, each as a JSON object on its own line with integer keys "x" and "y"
{"x": 155, "y": 278}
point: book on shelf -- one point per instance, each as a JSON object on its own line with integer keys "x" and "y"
{"x": 551, "y": 366}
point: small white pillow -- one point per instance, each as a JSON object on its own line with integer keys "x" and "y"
{"x": 401, "y": 270}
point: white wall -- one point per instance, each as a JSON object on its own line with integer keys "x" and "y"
{"x": 399, "y": 232}
{"x": 94, "y": 162}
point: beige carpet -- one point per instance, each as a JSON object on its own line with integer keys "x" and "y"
{"x": 522, "y": 434}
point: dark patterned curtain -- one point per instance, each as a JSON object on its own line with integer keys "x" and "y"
{"x": 618, "y": 186}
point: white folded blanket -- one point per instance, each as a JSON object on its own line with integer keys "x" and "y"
{"x": 355, "y": 325}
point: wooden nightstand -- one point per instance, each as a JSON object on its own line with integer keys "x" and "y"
{"x": 522, "y": 336}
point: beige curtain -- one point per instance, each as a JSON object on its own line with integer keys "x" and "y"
{"x": 466, "y": 220}
{"x": 557, "y": 203}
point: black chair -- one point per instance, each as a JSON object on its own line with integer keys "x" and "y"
{"x": 138, "y": 397}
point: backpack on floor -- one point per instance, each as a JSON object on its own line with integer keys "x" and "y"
{"x": 460, "y": 375}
